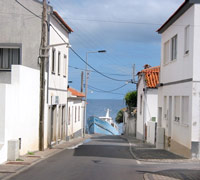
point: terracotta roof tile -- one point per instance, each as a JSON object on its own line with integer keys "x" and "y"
{"x": 151, "y": 76}
{"x": 76, "y": 93}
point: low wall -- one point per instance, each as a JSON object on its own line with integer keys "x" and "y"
{"x": 19, "y": 109}
{"x": 151, "y": 132}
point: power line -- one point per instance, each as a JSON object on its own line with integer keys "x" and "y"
{"x": 73, "y": 49}
{"x": 28, "y": 9}
{"x": 86, "y": 38}
{"x": 95, "y": 71}
{"x": 108, "y": 90}
{"x": 109, "y": 21}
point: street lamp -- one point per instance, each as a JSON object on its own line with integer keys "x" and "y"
{"x": 86, "y": 84}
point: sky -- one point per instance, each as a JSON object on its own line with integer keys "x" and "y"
{"x": 125, "y": 29}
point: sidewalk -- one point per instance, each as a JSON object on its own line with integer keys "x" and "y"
{"x": 145, "y": 152}
{"x": 12, "y": 168}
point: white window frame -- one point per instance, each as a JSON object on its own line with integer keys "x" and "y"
{"x": 64, "y": 65}
{"x": 59, "y": 63}
{"x": 166, "y": 52}
{"x": 53, "y": 61}
{"x": 174, "y": 47}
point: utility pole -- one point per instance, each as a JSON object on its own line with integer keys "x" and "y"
{"x": 133, "y": 73}
{"x": 43, "y": 56}
{"x": 81, "y": 81}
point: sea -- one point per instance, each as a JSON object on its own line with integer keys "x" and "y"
{"x": 98, "y": 107}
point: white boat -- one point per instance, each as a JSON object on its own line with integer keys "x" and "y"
{"x": 102, "y": 125}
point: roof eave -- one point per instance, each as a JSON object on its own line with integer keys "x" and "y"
{"x": 179, "y": 12}
{"x": 62, "y": 22}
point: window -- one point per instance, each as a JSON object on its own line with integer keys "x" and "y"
{"x": 166, "y": 52}
{"x": 187, "y": 39}
{"x": 141, "y": 104}
{"x": 185, "y": 110}
{"x": 53, "y": 61}
{"x": 69, "y": 114}
{"x": 59, "y": 63}
{"x": 65, "y": 66}
{"x": 165, "y": 107}
{"x": 9, "y": 56}
{"x": 75, "y": 114}
{"x": 177, "y": 109}
{"x": 173, "y": 48}
{"x": 79, "y": 113}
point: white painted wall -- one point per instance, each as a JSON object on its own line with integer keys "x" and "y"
{"x": 75, "y": 125}
{"x": 129, "y": 125}
{"x": 184, "y": 67}
{"x": 149, "y": 107}
{"x": 151, "y": 132}
{"x": 140, "y": 116}
{"x": 56, "y": 81}
{"x": 20, "y": 110}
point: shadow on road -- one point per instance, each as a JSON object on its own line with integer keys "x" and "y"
{"x": 181, "y": 174}
{"x": 105, "y": 146}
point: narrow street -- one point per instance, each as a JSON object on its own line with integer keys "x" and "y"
{"x": 101, "y": 157}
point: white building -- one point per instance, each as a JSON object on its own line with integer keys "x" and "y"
{"x": 57, "y": 81}
{"x": 20, "y": 78}
{"x": 179, "y": 88}
{"x": 147, "y": 97}
{"x": 76, "y": 113}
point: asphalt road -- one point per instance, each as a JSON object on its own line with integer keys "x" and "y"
{"x": 100, "y": 158}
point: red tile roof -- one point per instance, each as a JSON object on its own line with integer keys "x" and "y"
{"x": 151, "y": 76}
{"x": 62, "y": 21}
{"x": 76, "y": 93}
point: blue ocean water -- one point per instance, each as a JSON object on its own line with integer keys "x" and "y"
{"x": 98, "y": 107}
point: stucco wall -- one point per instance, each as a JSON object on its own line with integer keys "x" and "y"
{"x": 182, "y": 67}
{"x": 140, "y": 120}
{"x": 185, "y": 67}
{"x": 75, "y": 126}
{"x": 58, "y": 83}
{"x": 20, "y": 112}
{"x": 21, "y": 27}
{"x": 178, "y": 131}
{"x": 149, "y": 107}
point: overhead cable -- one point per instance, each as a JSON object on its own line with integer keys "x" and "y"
{"x": 108, "y": 90}
{"x": 95, "y": 71}
{"x": 74, "y": 50}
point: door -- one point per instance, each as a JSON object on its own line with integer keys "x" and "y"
{"x": 53, "y": 123}
{"x": 170, "y": 117}
{"x": 63, "y": 132}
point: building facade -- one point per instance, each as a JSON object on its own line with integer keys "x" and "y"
{"x": 20, "y": 77}
{"x": 148, "y": 80}
{"x": 179, "y": 88}
{"x": 76, "y": 114}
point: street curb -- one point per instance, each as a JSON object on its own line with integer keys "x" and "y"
{"x": 43, "y": 158}
{"x": 154, "y": 160}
